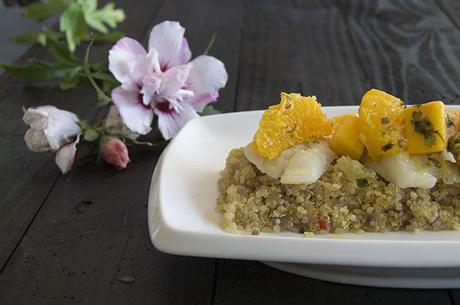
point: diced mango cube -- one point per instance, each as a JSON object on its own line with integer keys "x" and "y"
{"x": 337, "y": 119}
{"x": 425, "y": 127}
{"x": 345, "y": 139}
{"x": 380, "y": 116}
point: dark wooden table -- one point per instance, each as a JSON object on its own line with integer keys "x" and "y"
{"x": 55, "y": 248}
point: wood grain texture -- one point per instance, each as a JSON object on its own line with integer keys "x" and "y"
{"x": 85, "y": 247}
{"x": 73, "y": 235}
{"x": 92, "y": 230}
{"x": 311, "y": 46}
{"x": 290, "y": 45}
{"x": 407, "y": 48}
{"x": 254, "y": 283}
{"x": 22, "y": 169}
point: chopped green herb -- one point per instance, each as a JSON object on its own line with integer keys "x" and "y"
{"x": 424, "y": 126}
{"x": 387, "y": 147}
{"x": 449, "y": 122}
{"x": 385, "y": 120}
{"x": 362, "y": 182}
{"x": 435, "y": 162}
{"x": 126, "y": 279}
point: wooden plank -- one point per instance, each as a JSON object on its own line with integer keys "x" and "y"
{"x": 68, "y": 240}
{"x": 254, "y": 283}
{"x": 408, "y": 48}
{"x": 92, "y": 230}
{"x": 295, "y": 44}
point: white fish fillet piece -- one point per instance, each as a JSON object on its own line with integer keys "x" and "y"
{"x": 404, "y": 170}
{"x": 307, "y": 166}
{"x": 274, "y": 167}
{"x": 301, "y": 164}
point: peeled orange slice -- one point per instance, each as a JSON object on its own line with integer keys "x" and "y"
{"x": 296, "y": 119}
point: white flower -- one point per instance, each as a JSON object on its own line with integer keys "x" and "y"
{"x": 52, "y": 129}
{"x": 162, "y": 81}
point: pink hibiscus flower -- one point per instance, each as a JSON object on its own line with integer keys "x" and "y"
{"x": 163, "y": 81}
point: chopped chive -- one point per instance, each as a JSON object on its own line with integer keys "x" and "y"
{"x": 423, "y": 125}
{"x": 387, "y": 147}
{"x": 385, "y": 120}
{"x": 362, "y": 182}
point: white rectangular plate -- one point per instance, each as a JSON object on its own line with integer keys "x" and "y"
{"x": 183, "y": 220}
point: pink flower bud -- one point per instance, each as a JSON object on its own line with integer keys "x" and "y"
{"x": 115, "y": 153}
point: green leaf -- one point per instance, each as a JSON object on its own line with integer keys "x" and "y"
{"x": 30, "y": 37}
{"x": 100, "y": 19}
{"x": 73, "y": 23}
{"x": 208, "y": 110}
{"x": 60, "y": 53}
{"x": 35, "y": 71}
{"x": 90, "y": 135}
{"x": 83, "y": 124}
{"x": 126, "y": 279}
{"x": 104, "y": 76}
{"x": 86, "y": 152}
{"x": 70, "y": 82}
{"x": 39, "y": 11}
{"x": 36, "y": 37}
{"x": 111, "y": 36}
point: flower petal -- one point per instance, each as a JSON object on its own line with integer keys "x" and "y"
{"x": 62, "y": 127}
{"x": 135, "y": 115}
{"x": 65, "y": 156}
{"x": 207, "y": 75}
{"x": 37, "y": 117}
{"x": 170, "y": 122}
{"x": 198, "y": 102}
{"x": 173, "y": 80}
{"x": 124, "y": 62}
{"x": 168, "y": 39}
{"x": 184, "y": 55}
{"x": 36, "y": 140}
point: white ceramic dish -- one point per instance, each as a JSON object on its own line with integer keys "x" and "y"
{"x": 182, "y": 220}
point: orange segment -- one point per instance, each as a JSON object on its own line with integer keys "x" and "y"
{"x": 296, "y": 119}
{"x": 380, "y": 121}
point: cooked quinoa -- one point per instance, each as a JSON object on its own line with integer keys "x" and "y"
{"x": 349, "y": 197}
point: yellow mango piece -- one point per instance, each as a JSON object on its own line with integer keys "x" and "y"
{"x": 380, "y": 116}
{"x": 345, "y": 139}
{"x": 337, "y": 119}
{"x": 425, "y": 127}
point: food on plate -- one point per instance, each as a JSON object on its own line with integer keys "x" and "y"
{"x": 389, "y": 167}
